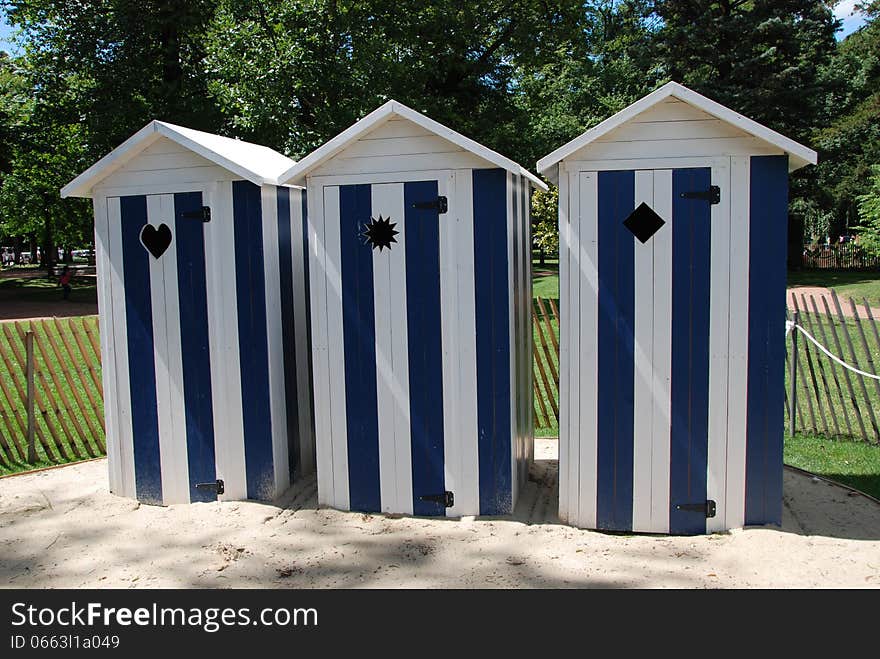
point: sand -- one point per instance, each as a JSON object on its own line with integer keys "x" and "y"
{"x": 62, "y": 528}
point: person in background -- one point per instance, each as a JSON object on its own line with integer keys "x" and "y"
{"x": 64, "y": 281}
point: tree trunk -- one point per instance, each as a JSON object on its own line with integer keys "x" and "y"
{"x": 50, "y": 250}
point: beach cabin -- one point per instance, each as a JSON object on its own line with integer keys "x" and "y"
{"x": 673, "y": 218}
{"x": 419, "y": 262}
{"x": 203, "y": 297}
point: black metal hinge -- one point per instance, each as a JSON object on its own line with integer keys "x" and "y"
{"x": 440, "y": 204}
{"x": 712, "y": 195}
{"x": 203, "y": 214}
{"x": 708, "y": 508}
{"x": 447, "y": 499}
{"x": 217, "y": 486}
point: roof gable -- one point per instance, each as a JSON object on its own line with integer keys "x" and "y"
{"x": 296, "y": 174}
{"x": 257, "y": 164}
{"x": 799, "y": 155}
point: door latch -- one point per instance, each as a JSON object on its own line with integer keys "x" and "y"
{"x": 217, "y": 486}
{"x": 440, "y": 204}
{"x": 447, "y": 499}
{"x": 203, "y": 214}
{"x": 708, "y": 508}
{"x": 712, "y": 195}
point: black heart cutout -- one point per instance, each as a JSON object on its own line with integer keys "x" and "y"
{"x": 156, "y": 240}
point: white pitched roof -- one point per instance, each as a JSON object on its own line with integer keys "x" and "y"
{"x": 296, "y": 174}
{"x": 255, "y": 163}
{"x": 799, "y": 155}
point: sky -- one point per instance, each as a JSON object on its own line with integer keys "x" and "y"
{"x": 845, "y": 11}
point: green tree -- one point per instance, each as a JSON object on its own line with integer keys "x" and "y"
{"x": 849, "y": 142}
{"x": 95, "y": 72}
{"x": 762, "y": 58}
{"x": 869, "y": 213}
{"x": 602, "y": 63}
{"x": 113, "y": 65}
{"x": 545, "y": 221}
{"x": 292, "y": 74}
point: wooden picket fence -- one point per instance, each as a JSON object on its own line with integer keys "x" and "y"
{"x": 843, "y": 256}
{"x": 51, "y": 396}
{"x": 827, "y": 398}
{"x": 545, "y": 325}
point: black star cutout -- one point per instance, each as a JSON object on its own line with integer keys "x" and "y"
{"x": 380, "y": 233}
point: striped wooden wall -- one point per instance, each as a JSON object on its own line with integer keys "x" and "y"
{"x": 205, "y": 347}
{"x": 672, "y": 350}
{"x": 421, "y": 352}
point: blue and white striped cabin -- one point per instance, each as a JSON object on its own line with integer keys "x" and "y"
{"x": 421, "y": 345}
{"x": 673, "y": 317}
{"x": 203, "y": 315}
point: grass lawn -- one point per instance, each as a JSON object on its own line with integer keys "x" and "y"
{"x": 553, "y": 429}
{"x": 43, "y": 289}
{"x": 73, "y": 379}
{"x": 856, "y": 285}
{"x": 856, "y": 464}
{"x": 545, "y": 279}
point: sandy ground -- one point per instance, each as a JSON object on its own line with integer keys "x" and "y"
{"x": 61, "y": 528}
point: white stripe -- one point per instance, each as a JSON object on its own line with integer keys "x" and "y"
{"x": 467, "y": 496}
{"x": 336, "y": 348}
{"x": 299, "y": 259}
{"x": 222, "y": 305}
{"x": 387, "y": 202}
{"x": 529, "y": 454}
{"x": 170, "y": 409}
{"x": 124, "y": 441}
{"x": 108, "y": 343}
{"x": 576, "y": 378}
{"x": 400, "y": 361}
{"x": 512, "y": 274}
{"x": 522, "y": 401}
{"x": 179, "y": 450}
{"x": 643, "y": 379}
{"x": 662, "y": 355}
{"x": 739, "y": 342}
{"x": 719, "y": 313}
{"x": 274, "y": 339}
{"x": 588, "y": 332}
{"x": 453, "y": 255}
{"x": 575, "y": 383}
{"x": 565, "y": 431}
{"x": 320, "y": 352}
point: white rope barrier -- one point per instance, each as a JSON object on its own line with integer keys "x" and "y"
{"x": 790, "y": 325}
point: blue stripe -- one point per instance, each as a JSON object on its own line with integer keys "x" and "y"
{"x": 422, "y": 228}
{"x": 193, "y": 300}
{"x": 768, "y": 222}
{"x": 288, "y": 326}
{"x": 492, "y": 298}
{"x": 141, "y": 368}
{"x": 359, "y": 339}
{"x": 253, "y": 348}
{"x": 691, "y": 240}
{"x": 615, "y": 352}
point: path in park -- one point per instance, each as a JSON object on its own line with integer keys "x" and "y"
{"x": 818, "y": 293}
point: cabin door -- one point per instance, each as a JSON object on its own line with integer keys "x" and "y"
{"x": 159, "y": 292}
{"x": 389, "y": 269}
{"x": 648, "y": 236}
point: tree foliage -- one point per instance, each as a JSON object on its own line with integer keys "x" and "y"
{"x": 869, "y": 213}
{"x": 521, "y": 76}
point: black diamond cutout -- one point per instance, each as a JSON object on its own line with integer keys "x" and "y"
{"x": 643, "y": 222}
